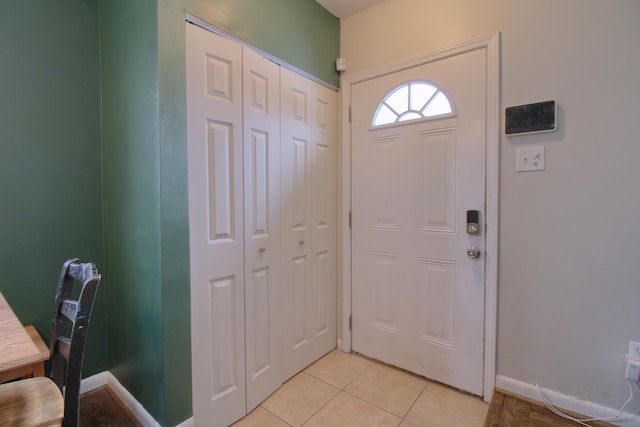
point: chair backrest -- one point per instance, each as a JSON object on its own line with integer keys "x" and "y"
{"x": 69, "y": 332}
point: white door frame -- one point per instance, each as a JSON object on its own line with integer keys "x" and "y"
{"x": 490, "y": 42}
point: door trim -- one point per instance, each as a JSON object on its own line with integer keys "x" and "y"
{"x": 490, "y": 42}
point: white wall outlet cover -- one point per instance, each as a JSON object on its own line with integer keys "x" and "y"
{"x": 634, "y": 349}
{"x": 633, "y": 369}
{"x": 530, "y": 159}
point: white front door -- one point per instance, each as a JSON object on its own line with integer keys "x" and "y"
{"x": 418, "y": 298}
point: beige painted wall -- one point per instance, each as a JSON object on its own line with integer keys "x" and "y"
{"x": 569, "y": 276}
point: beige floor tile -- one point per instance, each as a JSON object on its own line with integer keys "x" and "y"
{"x": 260, "y": 417}
{"x": 440, "y": 406}
{"x": 387, "y": 388}
{"x": 338, "y": 368}
{"x": 299, "y": 398}
{"x": 347, "y": 410}
{"x": 406, "y": 423}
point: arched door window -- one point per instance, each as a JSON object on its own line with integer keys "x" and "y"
{"x": 412, "y": 101}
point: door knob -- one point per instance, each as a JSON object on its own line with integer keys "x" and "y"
{"x": 473, "y": 252}
{"x": 262, "y": 249}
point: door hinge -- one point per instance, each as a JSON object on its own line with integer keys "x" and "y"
{"x": 350, "y": 322}
{"x": 349, "y": 113}
{"x": 349, "y": 219}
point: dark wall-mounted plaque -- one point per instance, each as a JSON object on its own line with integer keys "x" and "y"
{"x": 536, "y": 117}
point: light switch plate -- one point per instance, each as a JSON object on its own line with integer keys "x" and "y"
{"x": 530, "y": 159}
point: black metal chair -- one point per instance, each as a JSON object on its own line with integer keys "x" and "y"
{"x": 31, "y": 401}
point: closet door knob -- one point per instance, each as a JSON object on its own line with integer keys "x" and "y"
{"x": 262, "y": 249}
{"x": 301, "y": 242}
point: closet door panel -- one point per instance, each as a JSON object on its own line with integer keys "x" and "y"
{"x": 324, "y": 232}
{"x": 216, "y": 232}
{"x": 309, "y": 117}
{"x": 261, "y": 82}
{"x": 296, "y": 95}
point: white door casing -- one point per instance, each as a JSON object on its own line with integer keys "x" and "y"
{"x": 409, "y": 251}
{"x": 216, "y": 235}
{"x": 309, "y": 147}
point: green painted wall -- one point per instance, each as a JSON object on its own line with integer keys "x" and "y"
{"x": 145, "y": 199}
{"x": 175, "y": 214}
{"x": 300, "y": 32}
{"x": 93, "y": 164}
{"x": 131, "y": 193}
{"x": 50, "y": 188}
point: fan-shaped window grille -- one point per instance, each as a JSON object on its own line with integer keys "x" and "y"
{"x": 412, "y": 101}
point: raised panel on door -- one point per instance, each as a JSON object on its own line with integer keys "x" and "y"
{"x": 436, "y": 173}
{"x": 263, "y": 288}
{"x": 216, "y": 235}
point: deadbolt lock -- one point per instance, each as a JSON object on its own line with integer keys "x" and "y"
{"x": 473, "y": 222}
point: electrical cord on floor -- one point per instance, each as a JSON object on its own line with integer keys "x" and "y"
{"x": 583, "y": 422}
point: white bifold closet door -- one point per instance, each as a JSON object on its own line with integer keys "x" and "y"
{"x": 262, "y": 224}
{"x": 309, "y": 147}
{"x": 263, "y": 282}
{"x": 234, "y": 202}
{"x": 216, "y": 231}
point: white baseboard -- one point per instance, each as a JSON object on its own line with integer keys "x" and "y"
{"x": 187, "y": 423}
{"x": 339, "y": 344}
{"x": 570, "y": 403}
{"x": 106, "y": 378}
{"x": 93, "y": 382}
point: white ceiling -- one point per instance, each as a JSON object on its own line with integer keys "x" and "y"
{"x": 344, "y": 8}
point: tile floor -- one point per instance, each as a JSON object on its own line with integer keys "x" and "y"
{"x": 347, "y": 390}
